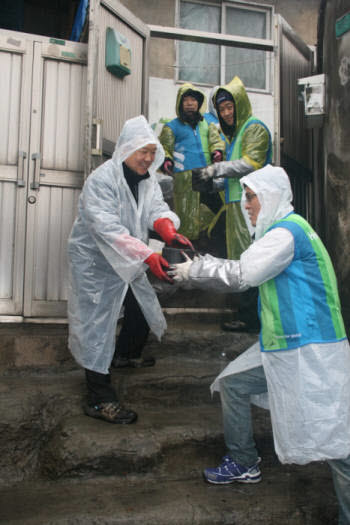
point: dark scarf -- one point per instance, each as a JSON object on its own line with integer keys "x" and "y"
{"x": 191, "y": 120}
{"x": 133, "y": 179}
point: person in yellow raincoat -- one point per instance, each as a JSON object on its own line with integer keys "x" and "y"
{"x": 248, "y": 148}
{"x": 189, "y": 142}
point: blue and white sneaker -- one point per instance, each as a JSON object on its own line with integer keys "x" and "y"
{"x": 230, "y": 471}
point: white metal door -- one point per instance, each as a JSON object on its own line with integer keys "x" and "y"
{"x": 42, "y": 112}
{"x": 50, "y": 109}
{"x": 111, "y": 100}
{"x": 16, "y": 56}
{"x": 56, "y": 174}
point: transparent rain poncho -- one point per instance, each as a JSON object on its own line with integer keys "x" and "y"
{"x": 308, "y": 387}
{"x": 107, "y": 249}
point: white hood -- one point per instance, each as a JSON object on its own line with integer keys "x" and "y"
{"x": 136, "y": 133}
{"x": 211, "y": 107}
{"x": 272, "y": 186}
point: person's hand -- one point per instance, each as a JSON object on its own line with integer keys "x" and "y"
{"x": 226, "y": 169}
{"x": 158, "y": 266}
{"x": 181, "y": 239}
{"x": 180, "y": 272}
{"x": 166, "y": 229}
{"x": 203, "y": 175}
{"x": 168, "y": 167}
{"x": 216, "y": 156}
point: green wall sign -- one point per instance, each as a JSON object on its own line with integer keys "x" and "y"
{"x": 342, "y": 25}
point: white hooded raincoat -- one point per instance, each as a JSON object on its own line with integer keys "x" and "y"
{"x": 308, "y": 387}
{"x": 107, "y": 248}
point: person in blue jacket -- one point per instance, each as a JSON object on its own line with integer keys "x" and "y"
{"x": 189, "y": 142}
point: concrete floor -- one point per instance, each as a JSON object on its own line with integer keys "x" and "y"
{"x": 57, "y": 466}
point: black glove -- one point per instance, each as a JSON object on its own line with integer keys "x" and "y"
{"x": 201, "y": 181}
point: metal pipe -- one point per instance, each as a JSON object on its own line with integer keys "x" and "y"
{"x": 177, "y": 33}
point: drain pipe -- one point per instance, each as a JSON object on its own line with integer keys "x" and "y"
{"x": 319, "y": 160}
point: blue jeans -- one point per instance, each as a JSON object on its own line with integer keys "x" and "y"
{"x": 235, "y": 392}
{"x": 341, "y": 480}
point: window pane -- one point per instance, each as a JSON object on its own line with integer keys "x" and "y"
{"x": 199, "y": 62}
{"x": 248, "y": 64}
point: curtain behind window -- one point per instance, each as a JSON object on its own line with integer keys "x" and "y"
{"x": 199, "y": 62}
{"x": 248, "y": 64}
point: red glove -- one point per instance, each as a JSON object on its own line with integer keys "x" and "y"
{"x": 166, "y": 229}
{"x": 168, "y": 167}
{"x": 216, "y": 156}
{"x": 157, "y": 263}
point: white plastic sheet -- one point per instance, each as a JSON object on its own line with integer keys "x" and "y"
{"x": 107, "y": 248}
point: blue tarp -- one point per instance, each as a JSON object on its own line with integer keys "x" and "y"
{"x": 79, "y": 20}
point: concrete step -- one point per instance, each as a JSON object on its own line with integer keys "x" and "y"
{"x": 287, "y": 495}
{"x": 163, "y": 441}
{"x": 44, "y": 432}
{"x": 39, "y": 403}
{"x": 60, "y": 467}
{"x": 175, "y": 442}
{"x": 25, "y": 347}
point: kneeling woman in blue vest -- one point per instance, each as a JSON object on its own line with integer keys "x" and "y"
{"x": 300, "y": 367}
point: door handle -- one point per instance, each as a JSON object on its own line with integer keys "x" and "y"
{"x": 35, "y": 185}
{"x": 22, "y": 155}
{"x": 97, "y": 150}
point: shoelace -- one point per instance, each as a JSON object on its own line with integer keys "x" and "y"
{"x": 111, "y": 409}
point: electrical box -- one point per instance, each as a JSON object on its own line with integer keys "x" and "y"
{"x": 312, "y": 92}
{"x": 118, "y": 53}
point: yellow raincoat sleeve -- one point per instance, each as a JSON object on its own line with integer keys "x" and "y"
{"x": 255, "y": 145}
{"x": 167, "y": 140}
{"x": 214, "y": 139}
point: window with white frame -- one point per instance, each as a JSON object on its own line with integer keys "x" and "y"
{"x": 213, "y": 64}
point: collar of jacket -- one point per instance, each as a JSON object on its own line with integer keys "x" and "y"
{"x": 192, "y": 122}
{"x": 133, "y": 179}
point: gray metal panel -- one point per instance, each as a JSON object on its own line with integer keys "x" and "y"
{"x": 55, "y": 214}
{"x": 10, "y": 89}
{"x": 112, "y": 100}
{"x": 63, "y": 116}
{"x": 118, "y": 99}
{"x": 296, "y": 61}
{"x": 7, "y": 237}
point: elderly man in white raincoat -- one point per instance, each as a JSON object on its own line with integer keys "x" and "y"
{"x": 301, "y": 364}
{"x": 108, "y": 258}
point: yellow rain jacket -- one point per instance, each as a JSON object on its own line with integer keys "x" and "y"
{"x": 190, "y": 148}
{"x": 251, "y": 142}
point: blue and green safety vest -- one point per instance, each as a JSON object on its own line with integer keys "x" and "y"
{"x": 301, "y": 305}
{"x": 233, "y": 189}
{"x": 191, "y": 148}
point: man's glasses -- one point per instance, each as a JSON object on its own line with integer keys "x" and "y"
{"x": 250, "y": 196}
